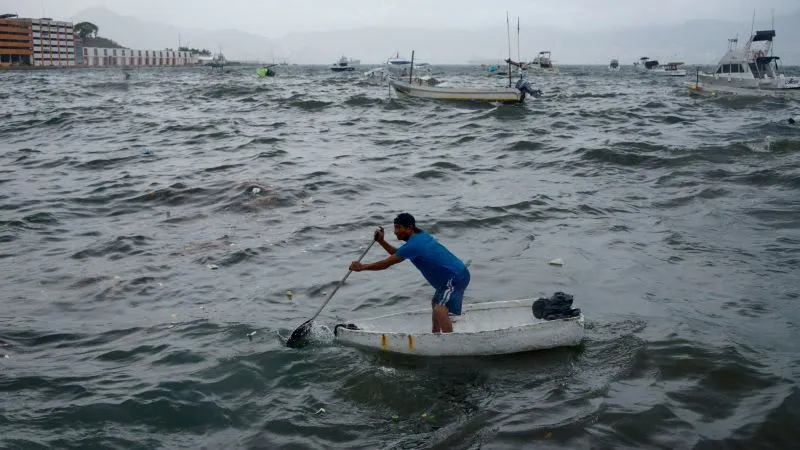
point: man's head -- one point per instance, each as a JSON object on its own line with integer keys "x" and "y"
{"x": 405, "y": 226}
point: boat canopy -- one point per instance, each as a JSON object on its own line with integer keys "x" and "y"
{"x": 650, "y": 64}
{"x": 766, "y": 59}
{"x": 764, "y": 35}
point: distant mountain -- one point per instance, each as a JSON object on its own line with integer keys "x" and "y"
{"x": 138, "y": 34}
{"x": 701, "y": 42}
{"x": 100, "y": 42}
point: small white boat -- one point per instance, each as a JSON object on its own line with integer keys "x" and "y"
{"x": 753, "y": 67}
{"x": 501, "y": 95}
{"x": 494, "y": 328}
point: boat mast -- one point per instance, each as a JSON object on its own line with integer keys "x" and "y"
{"x": 508, "y": 32}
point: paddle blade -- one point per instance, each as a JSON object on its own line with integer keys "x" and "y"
{"x": 299, "y": 337}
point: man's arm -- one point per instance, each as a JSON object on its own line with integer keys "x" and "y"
{"x": 390, "y": 249}
{"x": 356, "y": 266}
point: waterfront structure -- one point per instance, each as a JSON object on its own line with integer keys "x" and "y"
{"x": 53, "y": 43}
{"x": 125, "y": 57}
{"x": 16, "y": 41}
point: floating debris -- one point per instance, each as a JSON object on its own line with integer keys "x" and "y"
{"x": 395, "y": 418}
{"x": 321, "y": 410}
{"x": 212, "y": 266}
{"x": 557, "y": 262}
{"x": 251, "y": 334}
{"x": 256, "y": 190}
{"x": 289, "y": 294}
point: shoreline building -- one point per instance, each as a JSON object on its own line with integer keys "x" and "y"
{"x": 125, "y": 57}
{"x": 53, "y": 42}
{"x": 16, "y": 41}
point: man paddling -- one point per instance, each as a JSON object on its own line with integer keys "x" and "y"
{"x": 446, "y": 273}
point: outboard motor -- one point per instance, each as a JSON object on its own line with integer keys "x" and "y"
{"x": 524, "y": 86}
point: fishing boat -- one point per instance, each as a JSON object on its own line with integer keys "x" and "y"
{"x": 753, "y": 67}
{"x": 493, "y": 328}
{"x": 343, "y": 65}
{"x": 543, "y": 63}
{"x": 421, "y": 89}
{"x": 218, "y": 61}
{"x": 613, "y": 65}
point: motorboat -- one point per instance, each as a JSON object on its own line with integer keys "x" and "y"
{"x": 343, "y": 65}
{"x": 671, "y": 69}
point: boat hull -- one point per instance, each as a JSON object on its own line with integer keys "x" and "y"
{"x": 343, "y": 69}
{"x": 772, "y": 84}
{"x": 484, "y": 329}
{"x": 504, "y": 95}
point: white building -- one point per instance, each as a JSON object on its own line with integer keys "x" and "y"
{"x": 53, "y": 42}
{"x": 125, "y": 57}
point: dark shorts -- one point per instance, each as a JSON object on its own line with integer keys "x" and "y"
{"x": 451, "y": 294}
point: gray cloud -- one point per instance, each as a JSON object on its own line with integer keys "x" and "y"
{"x": 275, "y": 18}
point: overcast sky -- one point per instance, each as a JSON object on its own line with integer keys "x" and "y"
{"x": 275, "y": 18}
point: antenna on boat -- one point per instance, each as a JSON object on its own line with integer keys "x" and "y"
{"x": 753, "y": 24}
{"x": 508, "y": 32}
{"x": 519, "y": 58}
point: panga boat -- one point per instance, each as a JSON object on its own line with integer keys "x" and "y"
{"x": 501, "y": 95}
{"x": 494, "y": 328}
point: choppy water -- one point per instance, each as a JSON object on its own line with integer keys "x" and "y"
{"x": 677, "y": 217}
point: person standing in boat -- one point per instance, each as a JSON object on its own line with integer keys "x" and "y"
{"x": 443, "y": 270}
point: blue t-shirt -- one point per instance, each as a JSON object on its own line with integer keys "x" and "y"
{"x": 435, "y": 262}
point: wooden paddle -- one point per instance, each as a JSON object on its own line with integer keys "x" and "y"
{"x": 299, "y": 337}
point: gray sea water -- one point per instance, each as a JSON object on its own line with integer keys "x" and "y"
{"x": 148, "y": 226}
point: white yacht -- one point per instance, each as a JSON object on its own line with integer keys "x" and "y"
{"x": 752, "y": 67}
{"x": 645, "y": 63}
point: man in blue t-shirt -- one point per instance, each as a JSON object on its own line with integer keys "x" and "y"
{"x": 446, "y": 273}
